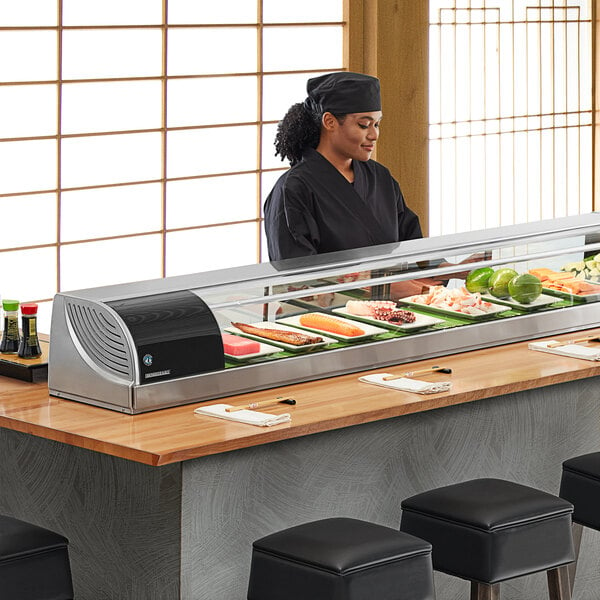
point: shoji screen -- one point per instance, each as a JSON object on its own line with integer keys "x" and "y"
{"x": 136, "y": 136}
{"x": 510, "y": 112}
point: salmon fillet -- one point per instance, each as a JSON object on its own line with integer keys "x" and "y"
{"x": 330, "y": 324}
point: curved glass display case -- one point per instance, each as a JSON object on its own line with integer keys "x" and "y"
{"x": 149, "y": 345}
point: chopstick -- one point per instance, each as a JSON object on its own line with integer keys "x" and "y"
{"x": 587, "y": 338}
{"x": 435, "y": 369}
{"x": 262, "y": 404}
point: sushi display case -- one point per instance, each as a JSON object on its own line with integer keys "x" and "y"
{"x": 148, "y": 345}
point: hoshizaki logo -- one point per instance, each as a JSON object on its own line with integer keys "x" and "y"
{"x": 147, "y": 360}
{"x": 157, "y": 373}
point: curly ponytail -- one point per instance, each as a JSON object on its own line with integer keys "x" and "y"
{"x": 299, "y": 129}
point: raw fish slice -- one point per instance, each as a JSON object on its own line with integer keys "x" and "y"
{"x": 238, "y": 346}
{"x": 382, "y": 310}
{"x": 331, "y": 324}
{"x": 459, "y": 300}
{"x": 368, "y": 308}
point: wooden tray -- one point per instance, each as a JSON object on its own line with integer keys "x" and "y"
{"x": 27, "y": 369}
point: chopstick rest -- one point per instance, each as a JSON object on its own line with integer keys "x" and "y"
{"x": 570, "y": 350}
{"x": 404, "y": 384}
{"x": 250, "y": 417}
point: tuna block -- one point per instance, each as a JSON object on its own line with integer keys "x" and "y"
{"x": 238, "y": 346}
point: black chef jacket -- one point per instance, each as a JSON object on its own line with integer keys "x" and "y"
{"x": 314, "y": 209}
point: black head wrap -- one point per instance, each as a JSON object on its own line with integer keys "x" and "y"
{"x": 343, "y": 93}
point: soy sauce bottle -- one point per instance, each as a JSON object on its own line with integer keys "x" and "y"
{"x": 30, "y": 345}
{"x": 10, "y": 334}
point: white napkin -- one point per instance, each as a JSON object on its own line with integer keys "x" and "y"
{"x": 572, "y": 350}
{"x": 251, "y": 417}
{"x": 408, "y": 385}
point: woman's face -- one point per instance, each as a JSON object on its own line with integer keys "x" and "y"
{"x": 355, "y": 135}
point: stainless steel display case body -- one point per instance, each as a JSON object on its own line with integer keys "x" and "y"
{"x": 84, "y": 367}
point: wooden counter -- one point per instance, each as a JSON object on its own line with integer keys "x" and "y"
{"x": 177, "y": 434}
{"x": 169, "y": 502}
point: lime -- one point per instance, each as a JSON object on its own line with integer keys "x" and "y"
{"x": 498, "y": 282}
{"x": 525, "y": 288}
{"x": 477, "y": 280}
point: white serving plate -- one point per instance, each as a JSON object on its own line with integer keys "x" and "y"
{"x": 539, "y": 302}
{"x": 576, "y": 297}
{"x": 496, "y": 309}
{"x": 369, "y": 330}
{"x": 270, "y": 325}
{"x": 420, "y": 321}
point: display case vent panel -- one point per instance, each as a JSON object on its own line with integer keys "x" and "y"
{"x": 101, "y": 338}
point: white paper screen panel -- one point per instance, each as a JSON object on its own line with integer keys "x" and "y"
{"x": 510, "y": 112}
{"x": 144, "y": 128}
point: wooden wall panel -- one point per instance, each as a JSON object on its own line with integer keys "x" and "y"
{"x": 354, "y": 35}
{"x": 394, "y": 47}
{"x": 596, "y": 103}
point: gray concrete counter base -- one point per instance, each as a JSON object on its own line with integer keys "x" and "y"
{"x": 184, "y": 531}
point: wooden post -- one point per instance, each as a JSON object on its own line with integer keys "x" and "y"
{"x": 354, "y": 35}
{"x": 394, "y": 47}
{"x": 596, "y": 105}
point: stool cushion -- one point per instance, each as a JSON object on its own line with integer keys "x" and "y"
{"x": 490, "y": 530}
{"x": 580, "y": 484}
{"x": 34, "y": 562}
{"x": 340, "y": 559}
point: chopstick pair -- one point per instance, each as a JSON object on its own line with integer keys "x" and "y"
{"x": 583, "y": 340}
{"x": 263, "y": 404}
{"x": 434, "y": 369}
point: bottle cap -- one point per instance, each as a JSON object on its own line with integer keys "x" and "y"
{"x": 29, "y": 309}
{"x": 10, "y": 304}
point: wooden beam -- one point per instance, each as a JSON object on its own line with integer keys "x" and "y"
{"x": 395, "y": 49}
{"x": 596, "y": 105}
{"x": 390, "y": 39}
{"x": 354, "y": 35}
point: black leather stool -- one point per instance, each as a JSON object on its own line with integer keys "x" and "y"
{"x": 340, "y": 559}
{"x": 580, "y": 485}
{"x": 34, "y": 562}
{"x": 491, "y": 530}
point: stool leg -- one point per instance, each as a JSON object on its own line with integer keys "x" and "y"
{"x": 485, "y": 591}
{"x": 577, "y": 533}
{"x": 558, "y": 583}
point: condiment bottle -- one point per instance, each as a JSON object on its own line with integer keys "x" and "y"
{"x": 10, "y": 334}
{"x": 30, "y": 345}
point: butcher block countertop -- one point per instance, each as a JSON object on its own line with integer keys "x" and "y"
{"x": 176, "y": 434}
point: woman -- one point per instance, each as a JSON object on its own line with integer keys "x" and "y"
{"x": 334, "y": 197}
